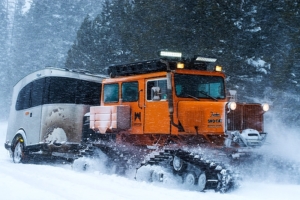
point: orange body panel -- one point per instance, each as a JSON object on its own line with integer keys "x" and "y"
{"x": 146, "y": 117}
{"x": 202, "y": 117}
{"x": 156, "y": 117}
{"x": 205, "y": 117}
{"x": 190, "y": 111}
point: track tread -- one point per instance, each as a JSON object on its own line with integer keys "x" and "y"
{"x": 218, "y": 178}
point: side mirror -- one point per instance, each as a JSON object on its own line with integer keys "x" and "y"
{"x": 155, "y": 93}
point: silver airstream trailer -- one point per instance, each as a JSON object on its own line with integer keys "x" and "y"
{"x": 47, "y": 111}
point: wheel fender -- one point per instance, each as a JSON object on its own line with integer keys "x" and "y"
{"x": 23, "y": 135}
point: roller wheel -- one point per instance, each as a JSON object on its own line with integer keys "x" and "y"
{"x": 156, "y": 176}
{"x": 201, "y": 182}
{"x": 190, "y": 179}
{"x": 177, "y": 163}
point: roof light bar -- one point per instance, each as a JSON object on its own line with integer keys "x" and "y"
{"x": 170, "y": 54}
{"x": 205, "y": 59}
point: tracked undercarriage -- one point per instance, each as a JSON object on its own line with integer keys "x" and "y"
{"x": 192, "y": 168}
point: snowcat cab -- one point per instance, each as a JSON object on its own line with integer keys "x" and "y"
{"x": 175, "y": 101}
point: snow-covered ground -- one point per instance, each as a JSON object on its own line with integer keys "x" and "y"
{"x": 29, "y": 181}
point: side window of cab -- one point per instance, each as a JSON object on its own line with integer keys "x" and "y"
{"x": 157, "y": 90}
{"x": 111, "y": 93}
{"x": 130, "y": 91}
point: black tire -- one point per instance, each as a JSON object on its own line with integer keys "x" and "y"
{"x": 18, "y": 152}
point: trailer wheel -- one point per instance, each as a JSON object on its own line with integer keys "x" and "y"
{"x": 18, "y": 152}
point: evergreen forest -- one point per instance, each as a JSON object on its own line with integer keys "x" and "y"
{"x": 256, "y": 42}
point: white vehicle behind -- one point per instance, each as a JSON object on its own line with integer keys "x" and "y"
{"x": 47, "y": 112}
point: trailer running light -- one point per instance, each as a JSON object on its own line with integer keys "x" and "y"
{"x": 170, "y": 54}
{"x": 218, "y": 68}
{"x": 206, "y": 59}
{"x": 232, "y": 105}
{"x": 265, "y": 107}
{"x": 180, "y": 65}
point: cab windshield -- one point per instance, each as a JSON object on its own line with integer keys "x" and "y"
{"x": 199, "y": 86}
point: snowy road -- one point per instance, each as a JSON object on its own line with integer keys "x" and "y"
{"x": 28, "y": 181}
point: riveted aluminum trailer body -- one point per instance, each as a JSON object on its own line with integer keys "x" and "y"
{"x": 48, "y": 106}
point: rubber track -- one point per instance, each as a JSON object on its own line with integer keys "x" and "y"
{"x": 218, "y": 178}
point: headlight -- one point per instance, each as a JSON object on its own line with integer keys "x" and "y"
{"x": 231, "y": 105}
{"x": 265, "y": 107}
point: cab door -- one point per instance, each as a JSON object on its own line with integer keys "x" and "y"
{"x": 132, "y": 96}
{"x": 156, "y": 107}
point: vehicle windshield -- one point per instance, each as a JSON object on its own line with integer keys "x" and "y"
{"x": 199, "y": 86}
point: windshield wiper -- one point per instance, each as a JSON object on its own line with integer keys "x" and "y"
{"x": 204, "y": 93}
{"x": 193, "y": 97}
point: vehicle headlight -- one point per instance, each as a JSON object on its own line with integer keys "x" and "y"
{"x": 231, "y": 105}
{"x": 265, "y": 107}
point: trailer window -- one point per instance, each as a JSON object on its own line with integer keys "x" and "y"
{"x": 37, "y": 92}
{"x": 130, "y": 91}
{"x": 153, "y": 85}
{"x": 88, "y": 93}
{"x": 60, "y": 90}
{"x": 111, "y": 93}
{"x": 73, "y": 91}
{"x": 24, "y": 98}
{"x": 31, "y": 95}
{"x": 53, "y": 90}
